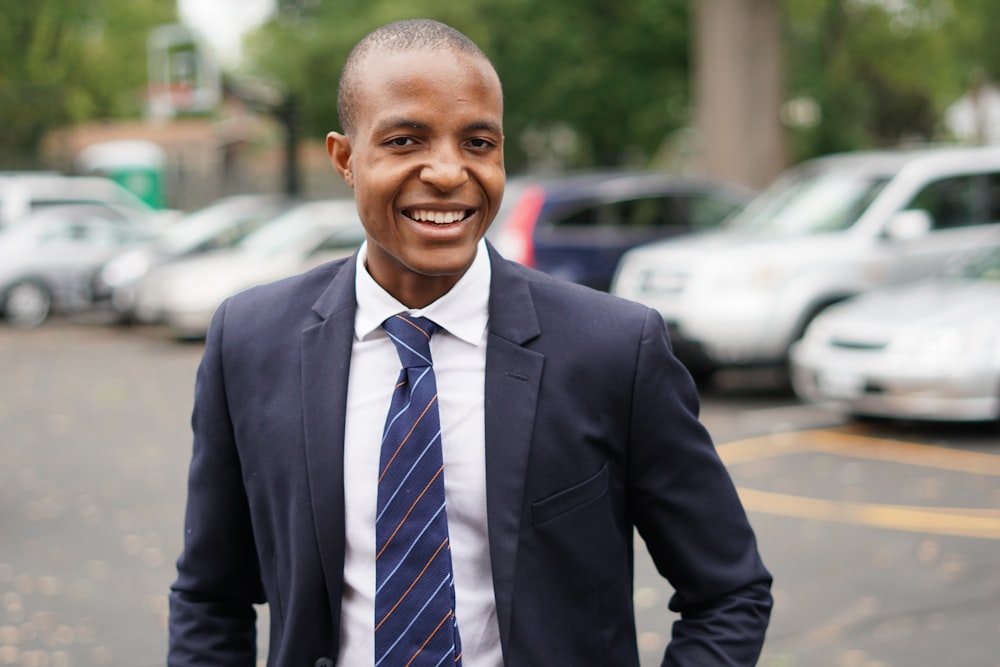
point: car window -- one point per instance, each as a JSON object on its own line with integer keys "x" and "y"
{"x": 60, "y": 234}
{"x": 706, "y": 212}
{"x": 809, "y": 202}
{"x": 640, "y": 213}
{"x": 979, "y": 264}
{"x": 950, "y": 202}
{"x": 92, "y": 232}
{"x": 341, "y": 240}
{"x": 992, "y": 197}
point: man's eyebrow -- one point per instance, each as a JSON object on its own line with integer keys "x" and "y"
{"x": 400, "y": 122}
{"x": 484, "y": 125}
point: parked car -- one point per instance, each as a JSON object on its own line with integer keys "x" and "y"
{"x": 183, "y": 295}
{"x": 25, "y": 191}
{"x": 48, "y": 259}
{"x": 825, "y": 231}
{"x": 217, "y": 226}
{"x": 576, "y": 227}
{"x": 926, "y": 350}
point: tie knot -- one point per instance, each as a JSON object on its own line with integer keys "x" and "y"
{"x": 412, "y": 338}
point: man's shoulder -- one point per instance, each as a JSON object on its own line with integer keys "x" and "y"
{"x": 289, "y": 300}
{"x": 305, "y": 286}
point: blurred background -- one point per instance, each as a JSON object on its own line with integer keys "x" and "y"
{"x": 808, "y": 191}
{"x": 730, "y": 89}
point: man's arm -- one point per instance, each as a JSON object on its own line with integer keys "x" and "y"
{"x": 212, "y": 619}
{"x": 686, "y": 508}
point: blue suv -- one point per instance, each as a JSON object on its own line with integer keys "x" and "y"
{"x": 577, "y": 227}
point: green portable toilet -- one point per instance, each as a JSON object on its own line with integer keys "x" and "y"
{"x": 136, "y": 165}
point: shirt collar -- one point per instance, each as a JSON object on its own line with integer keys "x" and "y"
{"x": 463, "y": 311}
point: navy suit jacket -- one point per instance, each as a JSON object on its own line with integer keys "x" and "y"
{"x": 591, "y": 431}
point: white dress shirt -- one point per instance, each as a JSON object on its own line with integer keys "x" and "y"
{"x": 459, "y": 354}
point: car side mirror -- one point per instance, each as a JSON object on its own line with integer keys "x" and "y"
{"x": 908, "y": 225}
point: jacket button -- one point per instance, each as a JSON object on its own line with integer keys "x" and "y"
{"x": 323, "y": 662}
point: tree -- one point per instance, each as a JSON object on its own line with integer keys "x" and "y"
{"x": 611, "y": 79}
{"x": 64, "y": 61}
{"x": 882, "y": 73}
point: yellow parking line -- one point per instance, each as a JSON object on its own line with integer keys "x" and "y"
{"x": 860, "y": 446}
{"x": 763, "y": 447}
{"x": 910, "y": 453}
{"x": 963, "y": 522}
{"x": 895, "y": 517}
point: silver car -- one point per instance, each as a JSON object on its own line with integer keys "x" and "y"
{"x": 48, "y": 258}
{"x": 183, "y": 295}
{"x": 220, "y": 225}
{"x": 926, "y": 350}
{"x": 829, "y": 229}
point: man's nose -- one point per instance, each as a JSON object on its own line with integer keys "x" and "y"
{"x": 446, "y": 169}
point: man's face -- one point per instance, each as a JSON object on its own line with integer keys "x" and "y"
{"x": 425, "y": 160}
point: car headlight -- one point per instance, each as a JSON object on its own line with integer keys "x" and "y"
{"x": 759, "y": 277}
{"x": 125, "y": 269}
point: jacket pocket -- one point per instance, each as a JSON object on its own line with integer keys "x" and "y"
{"x": 569, "y": 499}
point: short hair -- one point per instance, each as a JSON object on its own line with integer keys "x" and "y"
{"x": 396, "y": 37}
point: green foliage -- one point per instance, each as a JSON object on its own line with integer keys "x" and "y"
{"x": 64, "y": 61}
{"x": 883, "y": 72}
{"x": 609, "y": 79}
{"x": 586, "y": 82}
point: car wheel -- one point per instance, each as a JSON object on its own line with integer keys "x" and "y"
{"x": 27, "y": 304}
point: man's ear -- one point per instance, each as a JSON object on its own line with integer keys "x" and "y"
{"x": 338, "y": 147}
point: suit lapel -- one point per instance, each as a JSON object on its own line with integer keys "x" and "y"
{"x": 513, "y": 374}
{"x": 326, "y": 360}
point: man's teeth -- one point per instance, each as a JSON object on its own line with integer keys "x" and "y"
{"x": 438, "y": 217}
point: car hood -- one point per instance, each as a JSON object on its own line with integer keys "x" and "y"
{"x": 728, "y": 247}
{"x": 937, "y": 303}
{"x": 216, "y": 276}
{"x": 708, "y": 263}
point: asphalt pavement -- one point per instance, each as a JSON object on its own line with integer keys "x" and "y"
{"x": 884, "y": 539}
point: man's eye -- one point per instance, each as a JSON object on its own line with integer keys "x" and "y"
{"x": 400, "y": 141}
{"x": 480, "y": 143}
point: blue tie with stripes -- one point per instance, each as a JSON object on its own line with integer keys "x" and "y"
{"x": 414, "y": 592}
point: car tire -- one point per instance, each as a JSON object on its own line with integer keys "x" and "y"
{"x": 26, "y": 304}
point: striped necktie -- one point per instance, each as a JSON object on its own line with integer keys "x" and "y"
{"x": 414, "y": 591}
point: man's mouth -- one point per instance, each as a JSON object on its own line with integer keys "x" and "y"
{"x": 437, "y": 217}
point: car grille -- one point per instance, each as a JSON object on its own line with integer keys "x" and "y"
{"x": 663, "y": 282}
{"x": 846, "y": 344}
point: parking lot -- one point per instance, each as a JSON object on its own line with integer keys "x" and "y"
{"x": 884, "y": 538}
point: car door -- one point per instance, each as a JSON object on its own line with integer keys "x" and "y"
{"x": 84, "y": 245}
{"x": 964, "y": 212}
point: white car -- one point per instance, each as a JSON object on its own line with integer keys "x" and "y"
{"x": 220, "y": 225}
{"x": 48, "y": 258}
{"x": 926, "y": 350}
{"x": 26, "y": 191}
{"x": 825, "y": 231}
{"x": 184, "y": 295}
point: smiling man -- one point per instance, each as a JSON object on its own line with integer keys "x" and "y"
{"x": 428, "y": 455}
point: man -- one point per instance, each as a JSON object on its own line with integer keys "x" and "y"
{"x": 565, "y": 424}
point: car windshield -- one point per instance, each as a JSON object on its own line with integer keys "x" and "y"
{"x": 809, "y": 201}
{"x": 982, "y": 264}
{"x": 202, "y": 225}
{"x": 288, "y": 230}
